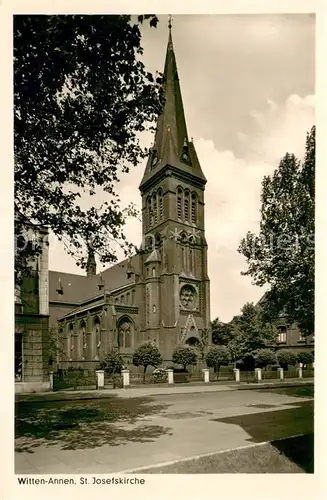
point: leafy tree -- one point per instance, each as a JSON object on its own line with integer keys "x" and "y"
{"x": 281, "y": 255}
{"x": 217, "y": 356}
{"x": 265, "y": 357}
{"x": 145, "y": 355}
{"x": 184, "y": 355}
{"x": 222, "y": 333}
{"x": 112, "y": 365}
{"x": 305, "y": 357}
{"x": 251, "y": 333}
{"x": 82, "y": 96}
{"x": 55, "y": 346}
{"x": 287, "y": 357}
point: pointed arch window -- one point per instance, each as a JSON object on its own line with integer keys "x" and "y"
{"x": 160, "y": 204}
{"x": 179, "y": 203}
{"x": 149, "y": 210}
{"x": 194, "y": 209}
{"x": 186, "y": 206}
{"x": 83, "y": 335}
{"x": 125, "y": 333}
{"x": 155, "y": 208}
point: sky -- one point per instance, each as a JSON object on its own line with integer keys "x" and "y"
{"x": 248, "y": 90}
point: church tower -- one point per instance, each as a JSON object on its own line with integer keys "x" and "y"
{"x": 174, "y": 255}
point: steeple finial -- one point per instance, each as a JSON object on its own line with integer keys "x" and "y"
{"x": 91, "y": 267}
{"x": 170, "y": 19}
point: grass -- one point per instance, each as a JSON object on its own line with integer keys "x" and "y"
{"x": 273, "y": 425}
{"x": 299, "y": 391}
{"x": 292, "y": 455}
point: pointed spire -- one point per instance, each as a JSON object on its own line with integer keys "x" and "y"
{"x": 171, "y": 144}
{"x": 91, "y": 267}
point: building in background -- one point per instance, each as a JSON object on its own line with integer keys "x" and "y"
{"x": 32, "y": 321}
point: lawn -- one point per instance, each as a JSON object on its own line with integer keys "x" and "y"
{"x": 286, "y": 456}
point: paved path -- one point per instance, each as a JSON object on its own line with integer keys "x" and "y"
{"x": 186, "y": 425}
{"x": 150, "y": 390}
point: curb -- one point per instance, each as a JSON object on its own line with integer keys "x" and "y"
{"x": 43, "y": 398}
{"x": 275, "y": 386}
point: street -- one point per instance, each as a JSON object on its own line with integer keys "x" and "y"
{"x": 124, "y": 434}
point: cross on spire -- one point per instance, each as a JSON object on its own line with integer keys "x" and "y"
{"x": 170, "y": 19}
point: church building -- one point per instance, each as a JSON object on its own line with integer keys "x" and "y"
{"x": 162, "y": 293}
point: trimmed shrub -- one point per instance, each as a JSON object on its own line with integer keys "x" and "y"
{"x": 305, "y": 357}
{"x": 185, "y": 356}
{"x": 112, "y": 364}
{"x": 286, "y": 357}
{"x": 145, "y": 355}
{"x": 265, "y": 357}
{"x": 216, "y": 357}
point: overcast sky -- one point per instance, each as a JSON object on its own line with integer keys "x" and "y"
{"x": 248, "y": 90}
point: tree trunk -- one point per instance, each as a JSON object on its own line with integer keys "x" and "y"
{"x": 144, "y": 374}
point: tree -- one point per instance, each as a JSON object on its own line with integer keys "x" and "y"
{"x": 145, "y": 355}
{"x": 265, "y": 357}
{"x": 286, "y": 357}
{"x": 217, "y": 356}
{"x": 281, "y": 255}
{"x": 251, "y": 333}
{"x": 184, "y": 355}
{"x": 112, "y": 365}
{"x": 305, "y": 357}
{"x": 82, "y": 96}
{"x": 222, "y": 333}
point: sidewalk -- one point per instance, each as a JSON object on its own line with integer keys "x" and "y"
{"x": 148, "y": 391}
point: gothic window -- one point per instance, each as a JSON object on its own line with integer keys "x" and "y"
{"x": 154, "y": 208}
{"x": 153, "y": 272}
{"x": 83, "y": 334}
{"x": 150, "y": 211}
{"x": 160, "y": 202}
{"x": 97, "y": 331}
{"x": 193, "y": 209}
{"x": 127, "y": 298}
{"x": 191, "y": 261}
{"x": 179, "y": 203}
{"x": 133, "y": 296}
{"x": 116, "y": 300}
{"x": 122, "y": 299}
{"x": 125, "y": 333}
{"x": 186, "y": 206}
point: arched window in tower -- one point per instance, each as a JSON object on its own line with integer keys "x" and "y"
{"x": 179, "y": 203}
{"x": 160, "y": 203}
{"x": 186, "y": 206}
{"x": 194, "y": 209}
{"x": 149, "y": 210}
{"x": 155, "y": 209}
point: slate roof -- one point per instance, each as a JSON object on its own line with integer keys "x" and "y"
{"x": 78, "y": 288}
